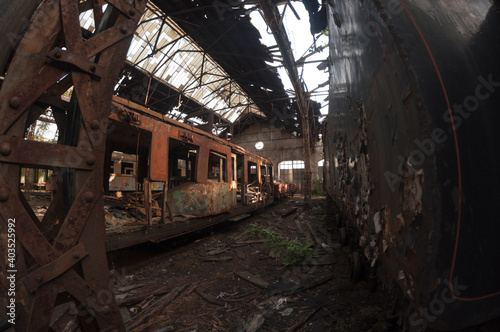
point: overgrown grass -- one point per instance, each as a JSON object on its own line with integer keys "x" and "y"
{"x": 293, "y": 251}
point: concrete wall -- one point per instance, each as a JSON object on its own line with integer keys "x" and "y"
{"x": 278, "y": 146}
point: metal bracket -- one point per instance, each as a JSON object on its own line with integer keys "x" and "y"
{"x": 58, "y": 54}
{"x": 14, "y": 150}
{"x": 55, "y": 268}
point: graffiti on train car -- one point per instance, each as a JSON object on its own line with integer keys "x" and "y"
{"x": 202, "y": 199}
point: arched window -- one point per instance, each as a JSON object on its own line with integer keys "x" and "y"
{"x": 291, "y": 171}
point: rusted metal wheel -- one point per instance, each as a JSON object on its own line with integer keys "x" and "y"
{"x": 64, "y": 253}
{"x": 355, "y": 267}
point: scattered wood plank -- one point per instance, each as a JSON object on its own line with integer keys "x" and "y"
{"x": 208, "y": 297}
{"x": 317, "y": 283}
{"x": 256, "y": 322}
{"x": 217, "y": 251}
{"x": 131, "y": 300}
{"x": 190, "y": 290}
{"x": 253, "y": 279}
{"x": 160, "y": 305}
{"x": 246, "y": 243}
{"x": 316, "y": 237}
{"x": 218, "y": 259}
{"x": 286, "y": 212}
{"x": 241, "y": 255}
{"x": 324, "y": 232}
{"x": 299, "y": 226}
{"x": 303, "y": 320}
{"x": 240, "y": 296}
{"x": 129, "y": 288}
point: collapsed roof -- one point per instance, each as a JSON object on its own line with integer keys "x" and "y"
{"x": 202, "y": 62}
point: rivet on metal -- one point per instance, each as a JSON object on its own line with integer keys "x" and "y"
{"x": 4, "y": 194}
{"x": 5, "y": 149}
{"x": 123, "y": 29}
{"x": 76, "y": 256}
{"x": 88, "y": 196}
{"x": 90, "y": 160}
{"x": 15, "y": 102}
{"x": 106, "y": 309}
{"x": 94, "y": 125}
{"x": 39, "y": 278}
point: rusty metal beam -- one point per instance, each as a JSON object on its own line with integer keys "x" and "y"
{"x": 274, "y": 21}
{"x": 78, "y": 242}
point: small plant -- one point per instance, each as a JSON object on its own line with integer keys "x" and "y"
{"x": 317, "y": 187}
{"x": 293, "y": 251}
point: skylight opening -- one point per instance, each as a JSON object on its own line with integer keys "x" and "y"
{"x": 178, "y": 61}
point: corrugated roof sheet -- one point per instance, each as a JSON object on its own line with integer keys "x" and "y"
{"x": 161, "y": 48}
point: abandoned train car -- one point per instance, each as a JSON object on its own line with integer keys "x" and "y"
{"x": 411, "y": 149}
{"x": 182, "y": 172}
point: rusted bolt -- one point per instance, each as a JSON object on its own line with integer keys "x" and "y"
{"x": 123, "y": 29}
{"x": 94, "y": 125}
{"x": 76, "y": 256}
{"x": 5, "y": 149}
{"x": 93, "y": 68}
{"x": 90, "y": 160}
{"x": 106, "y": 309}
{"x": 15, "y": 102}
{"x": 88, "y": 196}
{"x": 58, "y": 53}
{"x": 4, "y": 194}
{"x": 39, "y": 278}
{"x": 131, "y": 12}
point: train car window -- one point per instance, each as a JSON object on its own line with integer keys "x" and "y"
{"x": 252, "y": 174}
{"x": 262, "y": 173}
{"x": 182, "y": 162}
{"x": 123, "y": 171}
{"x": 217, "y": 167}
{"x": 127, "y": 168}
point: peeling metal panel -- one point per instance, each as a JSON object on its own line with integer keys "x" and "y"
{"x": 410, "y": 148}
{"x": 202, "y": 199}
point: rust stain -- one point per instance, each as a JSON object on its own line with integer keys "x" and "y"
{"x": 202, "y": 199}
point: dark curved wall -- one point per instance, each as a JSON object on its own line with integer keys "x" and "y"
{"x": 412, "y": 147}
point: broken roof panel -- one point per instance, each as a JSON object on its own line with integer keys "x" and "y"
{"x": 195, "y": 57}
{"x": 161, "y": 48}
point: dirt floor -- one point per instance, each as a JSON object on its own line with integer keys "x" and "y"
{"x": 236, "y": 279}
{"x": 248, "y": 275}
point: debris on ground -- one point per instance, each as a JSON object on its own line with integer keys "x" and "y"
{"x": 233, "y": 280}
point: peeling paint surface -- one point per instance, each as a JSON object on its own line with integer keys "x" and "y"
{"x": 412, "y": 174}
{"x": 202, "y": 199}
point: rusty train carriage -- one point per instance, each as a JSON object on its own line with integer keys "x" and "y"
{"x": 200, "y": 175}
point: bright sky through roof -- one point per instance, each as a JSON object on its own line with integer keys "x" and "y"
{"x": 301, "y": 40}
